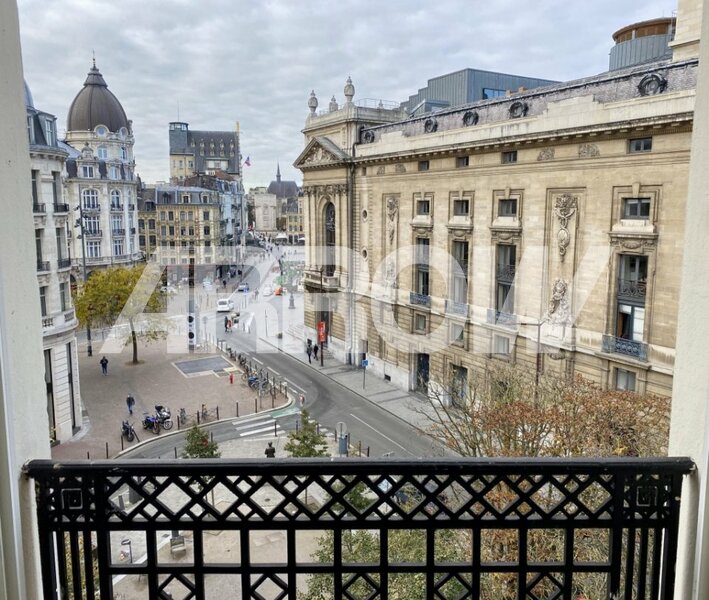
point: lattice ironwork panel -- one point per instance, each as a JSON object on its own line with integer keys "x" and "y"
{"x": 357, "y": 528}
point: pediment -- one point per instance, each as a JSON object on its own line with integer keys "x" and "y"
{"x": 320, "y": 152}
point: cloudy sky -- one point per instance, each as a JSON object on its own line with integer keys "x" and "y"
{"x": 255, "y": 62}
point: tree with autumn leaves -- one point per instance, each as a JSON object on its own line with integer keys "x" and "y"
{"x": 110, "y": 294}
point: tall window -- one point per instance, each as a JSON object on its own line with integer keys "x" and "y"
{"x": 421, "y": 272}
{"x": 624, "y": 380}
{"x": 102, "y": 152}
{"x": 56, "y": 187}
{"x": 118, "y": 247}
{"x": 38, "y": 243}
{"x": 632, "y": 287}
{"x": 423, "y": 205}
{"x": 330, "y": 231}
{"x": 116, "y": 223}
{"x": 64, "y": 296}
{"x": 50, "y": 132}
{"x": 43, "y": 299}
{"x": 115, "y": 199}
{"x": 205, "y": 215}
{"x": 92, "y": 225}
{"x": 124, "y": 153}
{"x": 459, "y": 384}
{"x": 93, "y": 249}
{"x": 60, "y": 243}
{"x": 636, "y": 208}
{"x": 87, "y": 171}
{"x": 459, "y": 293}
{"x": 506, "y": 262}
{"x": 90, "y": 199}
{"x": 35, "y": 186}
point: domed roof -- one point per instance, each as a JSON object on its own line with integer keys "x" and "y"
{"x": 29, "y": 102}
{"x": 95, "y": 105}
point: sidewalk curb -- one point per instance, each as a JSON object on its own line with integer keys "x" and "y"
{"x": 147, "y": 442}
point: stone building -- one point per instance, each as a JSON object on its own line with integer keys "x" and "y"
{"x": 265, "y": 210}
{"x": 194, "y": 152}
{"x": 51, "y": 223}
{"x": 180, "y": 226}
{"x": 541, "y": 228}
{"x": 100, "y": 179}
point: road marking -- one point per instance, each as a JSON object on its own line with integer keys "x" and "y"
{"x": 257, "y": 431}
{"x": 380, "y": 433}
{"x": 275, "y": 372}
{"x": 249, "y": 419}
{"x": 254, "y": 424}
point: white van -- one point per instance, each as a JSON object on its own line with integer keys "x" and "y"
{"x": 225, "y": 305}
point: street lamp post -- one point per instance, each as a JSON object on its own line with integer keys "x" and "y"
{"x": 89, "y": 349}
{"x": 322, "y": 349}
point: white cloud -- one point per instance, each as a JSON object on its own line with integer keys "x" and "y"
{"x": 255, "y": 62}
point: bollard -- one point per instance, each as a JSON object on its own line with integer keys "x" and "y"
{"x": 297, "y": 427}
{"x": 88, "y": 456}
{"x": 178, "y": 422}
{"x": 237, "y": 408}
{"x": 106, "y": 449}
{"x": 217, "y": 413}
{"x": 359, "y": 448}
{"x": 256, "y": 405}
{"x": 175, "y": 451}
{"x": 197, "y": 417}
{"x": 121, "y": 443}
{"x": 211, "y": 436}
{"x": 275, "y": 429}
{"x": 367, "y": 451}
{"x": 231, "y": 378}
{"x": 317, "y": 428}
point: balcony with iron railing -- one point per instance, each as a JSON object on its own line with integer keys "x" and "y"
{"x": 42, "y": 266}
{"x": 64, "y": 263}
{"x": 618, "y": 345}
{"x": 632, "y": 290}
{"x": 456, "y": 308}
{"x": 39, "y": 207}
{"x": 92, "y": 232}
{"x": 116, "y": 208}
{"x": 506, "y": 273}
{"x": 501, "y": 318}
{"x": 419, "y": 299}
{"x": 485, "y": 528}
{"x": 60, "y": 208}
{"x": 92, "y": 208}
{"x": 116, "y": 232}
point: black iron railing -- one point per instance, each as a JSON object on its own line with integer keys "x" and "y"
{"x": 419, "y": 299}
{"x": 629, "y": 289}
{"x": 60, "y": 208}
{"x": 473, "y": 528}
{"x": 456, "y": 308}
{"x": 619, "y": 345}
{"x": 498, "y": 317}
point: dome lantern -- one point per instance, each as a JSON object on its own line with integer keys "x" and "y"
{"x": 312, "y": 102}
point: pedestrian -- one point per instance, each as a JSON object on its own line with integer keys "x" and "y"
{"x": 224, "y": 283}
{"x": 130, "y": 402}
{"x": 315, "y": 351}
{"x": 104, "y": 365}
{"x": 309, "y": 352}
{"x": 226, "y": 324}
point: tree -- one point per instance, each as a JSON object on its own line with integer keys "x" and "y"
{"x": 111, "y": 293}
{"x": 199, "y": 445}
{"x": 306, "y": 442}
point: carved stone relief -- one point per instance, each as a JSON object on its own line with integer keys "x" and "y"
{"x": 588, "y": 151}
{"x": 392, "y": 205}
{"x": 564, "y": 208}
{"x": 381, "y": 170}
{"x": 546, "y": 154}
{"x": 558, "y": 310}
{"x": 399, "y": 168}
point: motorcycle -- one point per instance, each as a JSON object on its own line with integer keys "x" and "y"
{"x": 164, "y": 416}
{"x": 151, "y": 422}
{"x": 127, "y": 431}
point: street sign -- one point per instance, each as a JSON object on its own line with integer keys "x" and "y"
{"x": 322, "y": 334}
{"x": 365, "y": 363}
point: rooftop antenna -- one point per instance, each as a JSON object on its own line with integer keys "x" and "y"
{"x": 93, "y": 54}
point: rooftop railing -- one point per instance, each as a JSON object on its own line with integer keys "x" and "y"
{"x": 476, "y": 528}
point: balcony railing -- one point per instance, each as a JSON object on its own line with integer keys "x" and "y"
{"x": 117, "y": 207}
{"x": 95, "y": 259}
{"x": 92, "y": 208}
{"x": 69, "y": 315}
{"x": 42, "y": 266}
{"x": 486, "y": 528}
{"x": 456, "y": 308}
{"x": 632, "y": 290}
{"x": 118, "y": 232}
{"x": 39, "y": 207}
{"x": 92, "y": 232}
{"x": 47, "y": 322}
{"x": 63, "y": 263}
{"x": 497, "y": 317}
{"x": 60, "y": 208}
{"x": 506, "y": 273}
{"x": 617, "y": 345}
{"x": 419, "y": 299}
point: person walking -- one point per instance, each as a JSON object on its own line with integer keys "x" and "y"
{"x": 309, "y": 352}
{"x": 315, "y": 351}
{"x": 130, "y": 402}
{"x": 104, "y": 365}
{"x": 226, "y": 324}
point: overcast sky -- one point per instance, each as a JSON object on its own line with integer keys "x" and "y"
{"x": 255, "y": 62}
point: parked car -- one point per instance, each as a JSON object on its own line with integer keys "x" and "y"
{"x": 225, "y": 305}
{"x": 168, "y": 289}
{"x": 267, "y": 290}
{"x": 243, "y": 287}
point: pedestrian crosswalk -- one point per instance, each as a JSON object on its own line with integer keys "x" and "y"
{"x": 258, "y": 427}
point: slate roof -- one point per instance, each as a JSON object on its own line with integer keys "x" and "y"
{"x": 96, "y": 105}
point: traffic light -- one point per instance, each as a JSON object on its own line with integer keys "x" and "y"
{"x": 191, "y": 330}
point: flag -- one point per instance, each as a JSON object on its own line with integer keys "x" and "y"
{"x": 247, "y": 162}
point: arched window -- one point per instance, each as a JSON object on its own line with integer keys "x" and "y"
{"x": 102, "y": 152}
{"x": 124, "y": 153}
{"x": 329, "y": 262}
{"x": 89, "y": 199}
{"x": 115, "y": 199}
